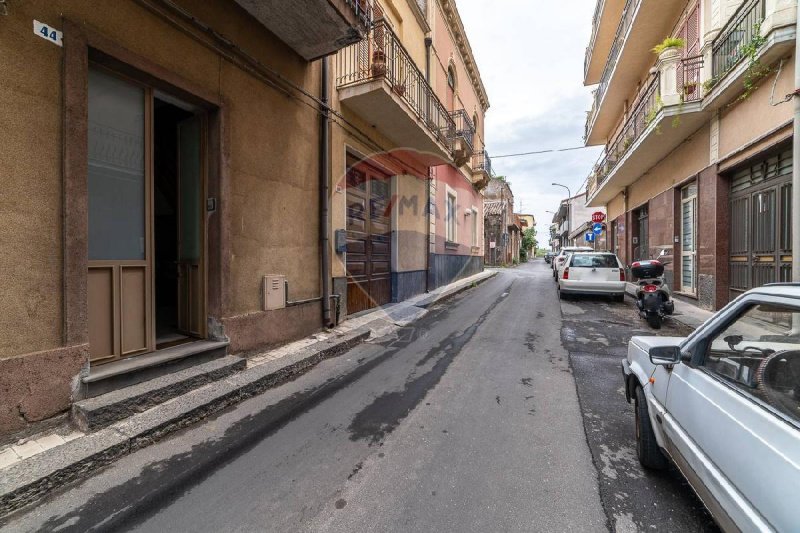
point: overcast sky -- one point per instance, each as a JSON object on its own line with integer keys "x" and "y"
{"x": 530, "y": 54}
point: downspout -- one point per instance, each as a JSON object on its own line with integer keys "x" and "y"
{"x": 796, "y": 176}
{"x": 324, "y": 199}
{"x": 429, "y": 208}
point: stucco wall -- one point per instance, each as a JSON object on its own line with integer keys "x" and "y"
{"x": 615, "y": 207}
{"x": 684, "y": 162}
{"x": 756, "y": 112}
{"x": 466, "y": 198}
{"x": 410, "y": 223}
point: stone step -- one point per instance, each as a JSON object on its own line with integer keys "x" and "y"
{"x": 94, "y": 413}
{"x": 132, "y": 370}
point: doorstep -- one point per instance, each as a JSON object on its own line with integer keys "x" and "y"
{"x": 126, "y": 372}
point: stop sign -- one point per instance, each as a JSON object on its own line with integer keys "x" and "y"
{"x": 598, "y": 217}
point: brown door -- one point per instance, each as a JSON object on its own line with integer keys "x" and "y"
{"x": 190, "y": 228}
{"x": 119, "y": 197}
{"x": 369, "y": 242}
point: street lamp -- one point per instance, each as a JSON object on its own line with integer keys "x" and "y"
{"x": 569, "y": 197}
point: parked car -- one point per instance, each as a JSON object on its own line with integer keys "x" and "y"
{"x": 724, "y": 406}
{"x": 561, "y": 257}
{"x": 593, "y": 273}
{"x": 548, "y": 257}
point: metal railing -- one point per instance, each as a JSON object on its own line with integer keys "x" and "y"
{"x": 362, "y": 9}
{"x": 595, "y": 27}
{"x": 689, "y": 73}
{"x": 381, "y": 56}
{"x": 464, "y": 127}
{"x": 482, "y": 162}
{"x": 740, "y": 31}
{"x": 619, "y": 41}
{"x": 644, "y": 112}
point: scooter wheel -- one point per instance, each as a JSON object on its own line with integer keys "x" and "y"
{"x": 654, "y": 320}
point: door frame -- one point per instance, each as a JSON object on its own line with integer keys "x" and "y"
{"x": 84, "y": 46}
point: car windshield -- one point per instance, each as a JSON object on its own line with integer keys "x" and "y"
{"x": 594, "y": 261}
{"x": 760, "y": 353}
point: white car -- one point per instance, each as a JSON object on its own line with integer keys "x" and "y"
{"x": 561, "y": 258}
{"x": 724, "y": 406}
{"x": 592, "y": 273}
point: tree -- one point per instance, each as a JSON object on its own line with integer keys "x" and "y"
{"x": 529, "y": 242}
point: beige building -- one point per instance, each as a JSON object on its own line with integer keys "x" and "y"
{"x": 185, "y": 179}
{"x": 697, "y": 138}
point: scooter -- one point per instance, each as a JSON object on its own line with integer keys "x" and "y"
{"x": 653, "y": 297}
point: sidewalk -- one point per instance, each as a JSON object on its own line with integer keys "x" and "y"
{"x": 685, "y": 313}
{"x": 31, "y": 468}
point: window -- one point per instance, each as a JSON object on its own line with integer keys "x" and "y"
{"x": 451, "y": 77}
{"x": 475, "y": 227}
{"x": 759, "y": 355}
{"x": 475, "y": 121}
{"x": 450, "y": 213}
{"x": 594, "y": 261}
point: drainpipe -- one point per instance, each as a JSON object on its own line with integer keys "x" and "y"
{"x": 428, "y": 44}
{"x": 324, "y": 198}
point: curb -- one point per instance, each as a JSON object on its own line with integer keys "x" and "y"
{"x": 28, "y": 481}
{"x": 427, "y": 302}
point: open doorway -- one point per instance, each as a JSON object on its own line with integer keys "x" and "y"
{"x": 177, "y": 222}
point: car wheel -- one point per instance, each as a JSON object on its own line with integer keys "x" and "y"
{"x": 647, "y": 449}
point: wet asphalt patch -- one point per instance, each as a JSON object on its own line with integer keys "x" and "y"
{"x": 596, "y": 334}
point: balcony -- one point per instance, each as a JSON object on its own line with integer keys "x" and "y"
{"x": 378, "y": 80}
{"x": 462, "y": 137}
{"x": 313, "y": 28}
{"x": 756, "y": 36}
{"x": 481, "y": 170}
{"x": 606, "y": 16}
{"x": 642, "y": 25}
{"x": 665, "y": 113}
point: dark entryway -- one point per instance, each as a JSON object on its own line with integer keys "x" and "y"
{"x": 369, "y": 239}
{"x": 177, "y": 222}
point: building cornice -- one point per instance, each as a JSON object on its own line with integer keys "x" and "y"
{"x": 456, "y": 27}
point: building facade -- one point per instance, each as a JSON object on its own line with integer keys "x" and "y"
{"x": 698, "y": 139}
{"x": 573, "y": 221}
{"x": 502, "y": 233}
{"x": 201, "y": 178}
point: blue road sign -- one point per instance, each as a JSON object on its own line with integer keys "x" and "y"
{"x": 597, "y": 228}
{"x": 589, "y": 237}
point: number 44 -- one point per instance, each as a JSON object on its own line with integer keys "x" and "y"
{"x": 49, "y": 34}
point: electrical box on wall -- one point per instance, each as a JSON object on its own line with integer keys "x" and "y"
{"x": 340, "y": 236}
{"x": 273, "y": 292}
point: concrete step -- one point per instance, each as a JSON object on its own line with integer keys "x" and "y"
{"x": 94, "y": 413}
{"x": 132, "y": 370}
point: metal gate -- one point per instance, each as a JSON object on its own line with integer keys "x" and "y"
{"x": 641, "y": 249}
{"x": 761, "y": 228}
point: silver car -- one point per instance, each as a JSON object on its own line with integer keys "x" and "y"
{"x": 724, "y": 406}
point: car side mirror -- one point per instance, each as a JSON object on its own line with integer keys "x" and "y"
{"x": 665, "y": 355}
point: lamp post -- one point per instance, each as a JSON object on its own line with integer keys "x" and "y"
{"x": 569, "y": 197}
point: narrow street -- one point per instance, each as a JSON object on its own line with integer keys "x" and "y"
{"x": 468, "y": 421}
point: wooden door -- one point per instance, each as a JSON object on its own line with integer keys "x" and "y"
{"x": 191, "y": 232}
{"x": 369, "y": 247}
{"x": 119, "y": 199}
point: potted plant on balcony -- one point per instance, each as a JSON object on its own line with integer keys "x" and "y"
{"x": 668, "y": 47}
{"x": 399, "y": 87}
{"x": 689, "y": 88}
{"x": 378, "y": 63}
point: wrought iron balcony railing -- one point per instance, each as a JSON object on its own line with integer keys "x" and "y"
{"x": 481, "y": 162}
{"x": 740, "y": 32}
{"x": 689, "y": 74}
{"x": 613, "y": 55}
{"x": 644, "y": 112}
{"x": 381, "y": 56}
{"x": 595, "y": 27}
{"x": 362, "y": 9}
{"x": 464, "y": 128}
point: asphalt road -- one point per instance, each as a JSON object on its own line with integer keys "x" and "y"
{"x": 468, "y": 421}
